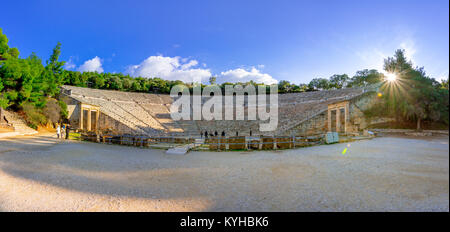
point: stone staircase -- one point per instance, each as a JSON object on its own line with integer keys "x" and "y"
{"x": 19, "y": 124}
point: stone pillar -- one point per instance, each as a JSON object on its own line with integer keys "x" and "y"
{"x": 89, "y": 120}
{"x": 81, "y": 117}
{"x": 338, "y": 119}
{"x": 97, "y": 116}
{"x": 346, "y": 110}
{"x": 329, "y": 120}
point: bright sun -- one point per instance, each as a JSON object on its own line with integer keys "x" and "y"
{"x": 391, "y": 77}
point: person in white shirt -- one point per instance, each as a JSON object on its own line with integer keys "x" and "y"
{"x": 58, "y": 131}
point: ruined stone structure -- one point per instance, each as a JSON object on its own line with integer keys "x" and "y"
{"x": 308, "y": 113}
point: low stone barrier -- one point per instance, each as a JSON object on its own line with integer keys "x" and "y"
{"x": 89, "y": 136}
{"x": 223, "y": 143}
{"x": 301, "y": 142}
{"x": 213, "y": 143}
{"x": 267, "y": 142}
{"x": 284, "y": 142}
{"x": 237, "y": 143}
{"x": 220, "y": 143}
{"x": 179, "y": 140}
{"x": 410, "y": 131}
{"x": 254, "y": 144}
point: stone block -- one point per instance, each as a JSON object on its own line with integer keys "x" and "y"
{"x": 237, "y": 143}
{"x": 267, "y": 142}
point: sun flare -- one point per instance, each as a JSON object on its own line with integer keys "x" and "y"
{"x": 391, "y": 77}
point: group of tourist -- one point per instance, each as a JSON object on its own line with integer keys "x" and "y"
{"x": 215, "y": 134}
{"x": 62, "y": 132}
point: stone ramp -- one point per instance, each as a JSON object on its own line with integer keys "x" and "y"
{"x": 182, "y": 150}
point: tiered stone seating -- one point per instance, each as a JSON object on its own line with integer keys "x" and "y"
{"x": 145, "y": 98}
{"x": 149, "y": 113}
{"x": 165, "y": 99}
{"x": 162, "y": 115}
{"x": 141, "y": 117}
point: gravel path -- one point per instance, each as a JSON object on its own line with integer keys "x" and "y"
{"x": 383, "y": 174}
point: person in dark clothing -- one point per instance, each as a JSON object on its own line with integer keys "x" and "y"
{"x": 223, "y": 133}
{"x": 215, "y": 133}
{"x": 67, "y": 131}
{"x": 250, "y": 132}
{"x": 237, "y": 133}
{"x": 206, "y": 134}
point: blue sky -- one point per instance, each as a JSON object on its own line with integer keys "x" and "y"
{"x": 233, "y": 40}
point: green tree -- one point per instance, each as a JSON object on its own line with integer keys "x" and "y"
{"x": 338, "y": 81}
{"x": 115, "y": 83}
{"x": 284, "y": 86}
{"x": 444, "y": 84}
{"x": 366, "y": 77}
{"x": 127, "y": 83}
{"x": 5, "y": 51}
{"x": 212, "y": 80}
{"x": 19, "y": 79}
{"x": 54, "y": 75}
{"x": 413, "y": 95}
{"x": 319, "y": 84}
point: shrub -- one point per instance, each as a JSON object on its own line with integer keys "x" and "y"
{"x": 33, "y": 115}
{"x": 64, "y": 113}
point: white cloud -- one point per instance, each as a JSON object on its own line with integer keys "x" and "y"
{"x": 69, "y": 64}
{"x": 243, "y": 75}
{"x": 170, "y": 68}
{"x": 189, "y": 70}
{"x": 92, "y": 65}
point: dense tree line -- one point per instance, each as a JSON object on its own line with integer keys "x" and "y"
{"x": 118, "y": 81}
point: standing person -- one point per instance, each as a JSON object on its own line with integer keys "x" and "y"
{"x": 67, "y": 132}
{"x": 223, "y": 133}
{"x": 250, "y": 132}
{"x": 63, "y": 131}
{"x": 58, "y": 131}
{"x": 237, "y": 133}
{"x": 206, "y": 134}
{"x": 215, "y": 133}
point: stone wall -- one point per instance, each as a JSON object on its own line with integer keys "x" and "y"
{"x": 73, "y": 110}
{"x": 107, "y": 123}
{"x": 357, "y": 121}
{"x": 314, "y": 126}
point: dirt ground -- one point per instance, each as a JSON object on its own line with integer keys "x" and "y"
{"x": 41, "y": 173}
